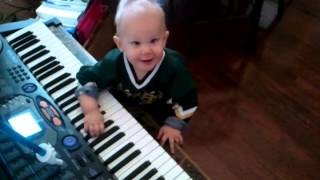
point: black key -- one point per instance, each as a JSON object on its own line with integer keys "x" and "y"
{"x": 56, "y": 80}
{"x": 160, "y": 178}
{"x": 7, "y": 146}
{"x": 151, "y": 173}
{"x": 80, "y": 161}
{"x": 16, "y": 39}
{"x": 81, "y": 126}
{"x": 90, "y": 156}
{"x": 72, "y": 108}
{"x": 62, "y": 85}
{"x": 12, "y": 155}
{"x": 66, "y": 103}
{"x": 24, "y": 40}
{"x": 42, "y": 63}
{"x": 26, "y": 45}
{"x": 32, "y": 51}
{"x": 108, "y": 122}
{"x": 50, "y": 72}
{"x": 118, "y": 153}
{"x": 102, "y": 136}
{"x": 138, "y": 170}
{"x": 77, "y": 118}
{"x": 125, "y": 161}
{"x": 110, "y": 142}
{"x": 18, "y": 164}
{"x": 45, "y": 68}
{"x": 49, "y": 172}
{"x": 66, "y": 94}
{"x": 36, "y": 56}
{"x": 25, "y": 173}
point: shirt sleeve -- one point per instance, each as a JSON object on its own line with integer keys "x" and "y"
{"x": 184, "y": 93}
{"x": 103, "y": 73}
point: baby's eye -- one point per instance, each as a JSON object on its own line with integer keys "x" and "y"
{"x": 135, "y": 43}
{"x": 154, "y": 40}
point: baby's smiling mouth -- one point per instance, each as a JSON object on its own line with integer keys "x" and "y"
{"x": 146, "y": 60}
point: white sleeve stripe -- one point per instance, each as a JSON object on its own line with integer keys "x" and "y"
{"x": 183, "y": 114}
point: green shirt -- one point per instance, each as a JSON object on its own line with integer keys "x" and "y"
{"x": 169, "y": 84}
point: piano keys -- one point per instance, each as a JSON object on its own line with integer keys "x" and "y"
{"x": 125, "y": 148}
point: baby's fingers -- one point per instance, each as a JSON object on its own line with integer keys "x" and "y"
{"x": 172, "y": 144}
{"x": 160, "y": 134}
{"x": 95, "y": 129}
{"x": 180, "y": 140}
{"x": 164, "y": 138}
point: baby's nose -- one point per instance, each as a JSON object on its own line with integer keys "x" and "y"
{"x": 146, "y": 49}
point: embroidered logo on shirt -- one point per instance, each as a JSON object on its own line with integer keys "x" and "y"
{"x": 144, "y": 97}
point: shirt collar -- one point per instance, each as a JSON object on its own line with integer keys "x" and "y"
{"x": 148, "y": 79}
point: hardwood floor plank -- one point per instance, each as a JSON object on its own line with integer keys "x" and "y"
{"x": 276, "y": 149}
{"x": 268, "y": 127}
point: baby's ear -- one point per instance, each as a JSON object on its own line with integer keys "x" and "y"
{"x": 166, "y": 37}
{"x": 117, "y": 41}
{"x": 167, "y": 34}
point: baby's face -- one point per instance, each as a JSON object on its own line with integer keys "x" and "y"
{"x": 142, "y": 38}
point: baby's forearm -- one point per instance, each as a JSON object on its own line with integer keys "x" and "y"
{"x": 87, "y": 96}
{"x": 88, "y": 104}
{"x": 175, "y": 122}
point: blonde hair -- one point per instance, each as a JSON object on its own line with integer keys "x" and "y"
{"x": 126, "y": 7}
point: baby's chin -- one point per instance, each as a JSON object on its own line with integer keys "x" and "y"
{"x": 147, "y": 66}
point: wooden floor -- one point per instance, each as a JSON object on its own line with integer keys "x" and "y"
{"x": 259, "y": 114}
{"x": 266, "y": 125}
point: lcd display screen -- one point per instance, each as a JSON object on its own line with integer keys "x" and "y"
{"x": 25, "y": 124}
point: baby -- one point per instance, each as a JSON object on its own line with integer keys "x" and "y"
{"x": 141, "y": 72}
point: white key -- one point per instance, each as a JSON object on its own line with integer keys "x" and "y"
{"x": 144, "y": 152}
{"x": 127, "y": 124}
{"x": 134, "y": 139}
{"x": 155, "y": 155}
{"x": 42, "y": 73}
{"x": 121, "y": 119}
{"x": 37, "y": 61}
{"x": 26, "y": 50}
{"x": 138, "y": 146}
{"x": 107, "y": 102}
{"x": 174, "y": 172}
{"x": 165, "y": 168}
{"x": 63, "y": 90}
{"x": 160, "y": 161}
{"x": 115, "y": 109}
{"x": 51, "y": 78}
{"x": 66, "y": 99}
{"x": 57, "y": 83}
{"x": 58, "y": 94}
{"x": 111, "y": 107}
{"x": 124, "y": 140}
{"x": 183, "y": 176}
{"x": 39, "y": 26}
{"x": 150, "y": 157}
{"x": 74, "y": 113}
{"x": 18, "y": 33}
{"x": 70, "y": 105}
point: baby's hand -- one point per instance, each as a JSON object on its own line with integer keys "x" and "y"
{"x": 173, "y": 135}
{"x": 93, "y": 123}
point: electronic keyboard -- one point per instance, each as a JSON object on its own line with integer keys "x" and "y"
{"x": 37, "y": 81}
